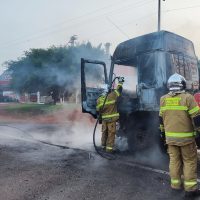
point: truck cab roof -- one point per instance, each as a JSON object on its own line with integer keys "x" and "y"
{"x": 156, "y": 41}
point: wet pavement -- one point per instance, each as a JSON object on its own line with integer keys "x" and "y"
{"x": 33, "y": 170}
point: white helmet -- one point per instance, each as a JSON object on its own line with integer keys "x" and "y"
{"x": 176, "y": 82}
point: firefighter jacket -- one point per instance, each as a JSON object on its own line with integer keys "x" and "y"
{"x": 177, "y": 111}
{"x": 108, "y": 111}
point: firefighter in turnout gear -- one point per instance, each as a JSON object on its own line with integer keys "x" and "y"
{"x": 179, "y": 120}
{"x": 109, "y": 114}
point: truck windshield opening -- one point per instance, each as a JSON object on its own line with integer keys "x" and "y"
{"x": 130, "y": 75}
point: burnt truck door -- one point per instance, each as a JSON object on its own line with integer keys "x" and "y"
{"x": 93, "y": 76}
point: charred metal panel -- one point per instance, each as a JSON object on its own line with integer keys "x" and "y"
{"x": 89, "y": 104}
{"x": 127, "y": 104}
{"x": 152, "y": 79}
{"x": 179, "y": 44}
{"x": 187, "y": 67}
{"x": 148, "y": 100}
{"x": 157, "y": 56}
{"x": 162, "y": 40}
{"x": 89, "y": 95}
{"x": 135, "y": 46}
{"x": 141, "y": 129}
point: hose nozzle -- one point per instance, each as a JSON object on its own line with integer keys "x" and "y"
{"x": 120, "y": 79}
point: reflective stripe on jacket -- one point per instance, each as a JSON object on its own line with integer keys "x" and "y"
{"x": 107, "y": 116}
{"x": 101, "y": 101}
{"x": 108, "y": 110}
{"x": 177, "y": 111}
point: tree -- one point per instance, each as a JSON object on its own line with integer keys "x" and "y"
{"x": 56, "y": 69}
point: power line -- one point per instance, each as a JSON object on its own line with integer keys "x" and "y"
{"x": 111, "y": 29}
{"x": 113, "y": 11}
{"x": 73, "y": 19}
{"x": 123, "y": 25}
{"x": 184, "y": 8}
{"x": 137, "y": 4}
{"x": 171, "y": 10}
{"x": 80, "y": 17}
{"x": 117, "y": 27}
{"x": 128, "y": 7}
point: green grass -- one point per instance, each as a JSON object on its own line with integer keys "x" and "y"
{"x": 32, "y": 109}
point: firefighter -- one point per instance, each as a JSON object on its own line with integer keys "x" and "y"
{"x": 179, "y": 119}
{"x": 109, "y": 115}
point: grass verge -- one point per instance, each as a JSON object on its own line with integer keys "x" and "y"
{"x": 31, "y": 109}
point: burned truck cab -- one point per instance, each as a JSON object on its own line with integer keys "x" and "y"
{"x": 146, "y": 62}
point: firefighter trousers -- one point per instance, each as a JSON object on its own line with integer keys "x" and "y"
{"x": 108, "y": 135}
{"x": 183, "y": 161}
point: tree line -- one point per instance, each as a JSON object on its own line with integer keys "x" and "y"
{"x": 55, "y": 70}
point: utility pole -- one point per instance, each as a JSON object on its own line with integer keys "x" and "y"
{"x": 72, "y": 40}
{"x": 107, "y": 48}
{"x": 159, "y": 12}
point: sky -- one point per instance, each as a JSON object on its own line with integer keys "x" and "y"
{"x": 27, "y": 24}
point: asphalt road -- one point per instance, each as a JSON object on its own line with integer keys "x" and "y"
{"x": 32, "y": 170}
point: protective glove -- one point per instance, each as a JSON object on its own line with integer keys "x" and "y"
{"x": 163, "y": 139}
{"x": 121, "y": 79}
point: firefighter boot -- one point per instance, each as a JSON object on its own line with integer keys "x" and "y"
{"x": 109, "y": 150}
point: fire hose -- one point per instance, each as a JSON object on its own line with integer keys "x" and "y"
{"x": 103, "y": 154}
{"x": 100, "y": 151}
